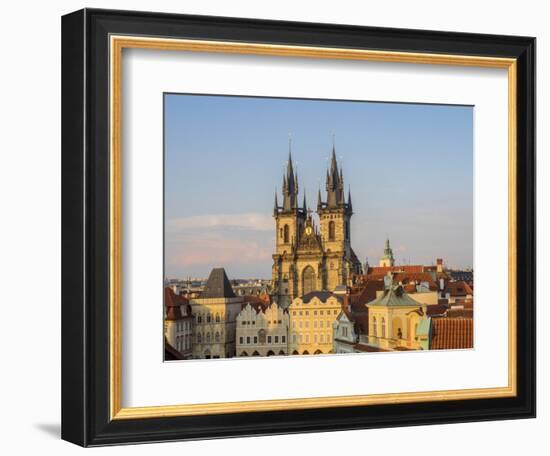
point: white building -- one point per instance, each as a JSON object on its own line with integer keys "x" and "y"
{"x": 262, "y": 330}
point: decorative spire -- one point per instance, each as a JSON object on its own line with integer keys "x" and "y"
{"x": 335, "y": 183}
{"x": 290, "y": 184}
{"x": 276, "y": 206}
{"x": 349, "y": 198}
{"x": 319, "y": 200}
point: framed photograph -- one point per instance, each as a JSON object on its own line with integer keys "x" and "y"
{"x": 278, "y": 227}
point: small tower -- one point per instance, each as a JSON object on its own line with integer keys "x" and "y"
{"x": 387, "y": 259}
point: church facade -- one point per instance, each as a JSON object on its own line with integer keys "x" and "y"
{"x": 312, "y": 256}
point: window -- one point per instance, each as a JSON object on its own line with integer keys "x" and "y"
{"x": 208, "y": 318}
{"x": 307, "y": 338}
{"x": 199, "y": 319}
{"x": 307, "y": 312}
{"x": 315, "y": 324}
{"x": 217, "y": 318}
{"x": 322, "y": 338}
{"x": 285, "y": 234}
{"x": 314, "y": 312}
{"x": 217, "y": 337}
{"x": 383, "y": 327}
{"x": 321, "y": 323}
{"x": 293, "y": 324}
{"x": 255, "y": 339}
{"x": 276, "y": 339}
{"x": 300, "y": 323}
{"x": 199, "y": 338}
{"x": 283, "y": 339}
{"x": 307, "y": 324}
{"x": 315, "y": 338}
{"x": 241, "y": 340}
{"x": 294, "y": 338}
{"x": 268, "y": 339}
{"x": 248, "y": 339}
{"x": 374, "y": 329}
{"x": 321, "y": 312}
{"x": 207, "y": 337}
{"x": 331, "y": 231}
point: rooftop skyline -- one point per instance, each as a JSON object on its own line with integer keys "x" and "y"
{"x": 409, "y": 166}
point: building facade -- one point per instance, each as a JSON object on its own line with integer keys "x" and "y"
{"x": 262, "y": 330}
{"x": 394, "y": 318}
{"x": 308, "y": 258}
{"x": 215, "y": 314}
{"x": 312, "y": 319}
{"x": 178, "y": 323}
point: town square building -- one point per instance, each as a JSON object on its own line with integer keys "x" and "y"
{"x": 262, "y": 330}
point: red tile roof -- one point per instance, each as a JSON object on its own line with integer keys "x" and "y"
{"x": 459, "y": 288}
{"x": 452, "y": 333}
{"x": 366, "y": 294}
{"x": 464, "y": 313}
{"x": 174, "y": 303}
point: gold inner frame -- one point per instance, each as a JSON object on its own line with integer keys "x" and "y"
{"x": 117, "y": 44}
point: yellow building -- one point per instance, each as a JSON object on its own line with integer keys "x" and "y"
{"x": 393, "y": 320}
{"x": 215, "y": 312}
{"x": 309, "y": 258}
{"x": 312, "y": 319}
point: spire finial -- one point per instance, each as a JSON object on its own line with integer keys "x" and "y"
{"x": 289, "y": 146}
{"x": 305, "y": 204}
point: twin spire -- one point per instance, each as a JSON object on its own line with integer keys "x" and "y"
{"x": 334, "y": 188}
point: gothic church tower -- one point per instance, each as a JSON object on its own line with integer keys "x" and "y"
{"x": 310, "y": 258}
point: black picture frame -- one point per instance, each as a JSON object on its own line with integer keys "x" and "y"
{"x": 85, "y": 228}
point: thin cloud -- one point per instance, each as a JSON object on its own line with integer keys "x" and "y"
{"x": 250, "y": 221}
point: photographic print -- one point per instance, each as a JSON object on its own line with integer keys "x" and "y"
{"x": 316, "y": 227}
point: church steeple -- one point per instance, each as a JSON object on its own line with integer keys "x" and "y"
{"x": 290, "y": 185}
{"x": 349, "y": 200}
{"x": 335, "y": 183}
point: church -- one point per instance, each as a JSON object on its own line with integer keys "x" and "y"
{"x": 310, "y": 256}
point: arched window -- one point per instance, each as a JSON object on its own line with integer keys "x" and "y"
{"x": 281, "y": 232}
{"x": 383, "y": 328}
{"x": 331, "y": 231}
{"x": 208, "y": 318}
{"x": 217, "y": 318}
{"x": 286, "y": 234}
{"x": 374, "y": 331}
{"x": 308, "y": 280}
{"x": 199, "y": 319}
{"x": 261, "y": 336}
{"x": 217, "y": 337}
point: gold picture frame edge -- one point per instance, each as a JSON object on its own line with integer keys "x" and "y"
{"x": 120, "y": 42}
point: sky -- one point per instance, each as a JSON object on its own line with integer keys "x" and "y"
{"x": 409, "y": 166}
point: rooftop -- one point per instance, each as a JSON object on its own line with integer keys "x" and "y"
{"x": 217, "y": 285}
